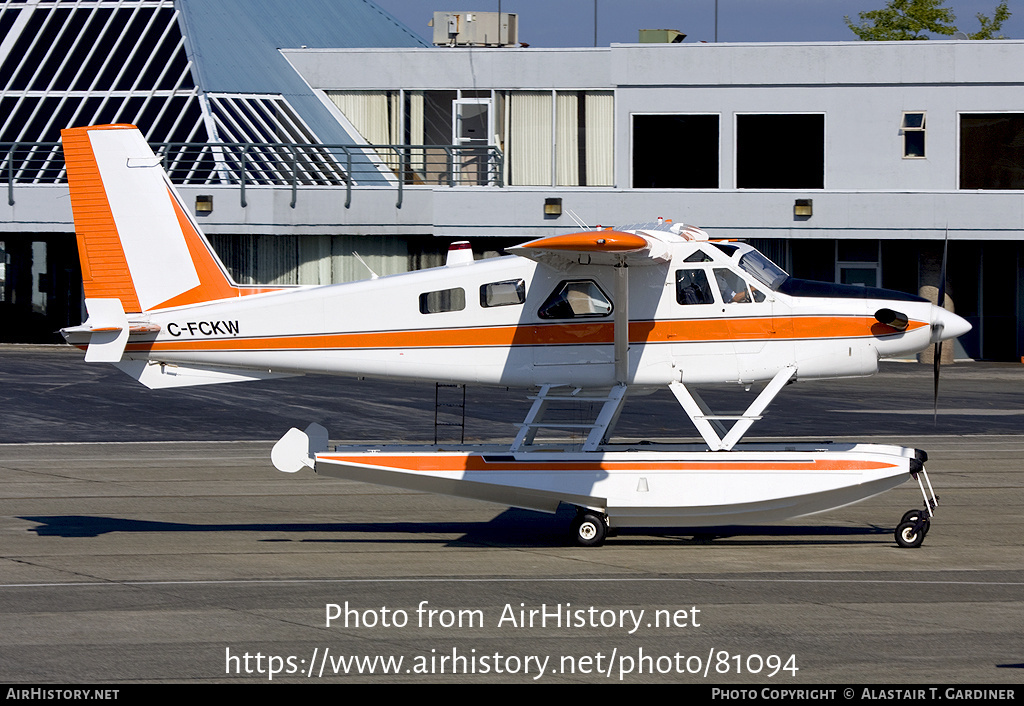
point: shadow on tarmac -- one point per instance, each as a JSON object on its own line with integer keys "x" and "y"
{"x": 512, "y": 528}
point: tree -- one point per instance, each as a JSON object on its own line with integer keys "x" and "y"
{"x": 915, "y": 19}
{"x": 989, "y": 27}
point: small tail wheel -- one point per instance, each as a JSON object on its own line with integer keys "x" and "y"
{"x": 589, "y": 529}
{"x": 909, "y": 535}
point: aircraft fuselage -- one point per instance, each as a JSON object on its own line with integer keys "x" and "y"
{"x": 439, "y": 325}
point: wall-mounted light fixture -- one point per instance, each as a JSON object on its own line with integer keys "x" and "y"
{"x": 553, "y": 207}
{"x": 803, "y": 207}
{"x": 204, "y": 203}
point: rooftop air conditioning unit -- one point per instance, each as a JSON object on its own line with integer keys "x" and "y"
{"x": 475, "y": 29}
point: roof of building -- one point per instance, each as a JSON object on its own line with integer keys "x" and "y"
{"x": 234, "y": 46}
{"x": 234, "y": 43}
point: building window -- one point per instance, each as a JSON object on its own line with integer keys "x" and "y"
{"x": 562, "y": 138}
{"x": 912, "y": 127}
{"x": 858, "y": 262}
{"x": 992, "y": 151}
{"x": 780, "y": 151}
{"x": 675, "y": 151}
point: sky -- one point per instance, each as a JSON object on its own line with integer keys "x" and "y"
{"x": 570, "y": 23}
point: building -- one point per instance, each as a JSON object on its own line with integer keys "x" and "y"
{"x": 847, "y": 161}
{"x": 195, "y": 75}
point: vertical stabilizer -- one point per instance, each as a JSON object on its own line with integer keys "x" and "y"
{"x": 136, "y": 241}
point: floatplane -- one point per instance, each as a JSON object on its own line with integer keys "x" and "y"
{"x": 596, "y": 315}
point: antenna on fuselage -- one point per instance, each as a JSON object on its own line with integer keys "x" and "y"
{"x": 577, "y": 220}
{"x": 373, "y": 275}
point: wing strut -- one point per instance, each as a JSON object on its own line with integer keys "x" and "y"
{"x": 710, "y": 425}
{"x": 621, "y": 323}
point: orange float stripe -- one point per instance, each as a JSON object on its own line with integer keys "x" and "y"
{"x": 105, "y": 271}
{"x": 457, "y": 463}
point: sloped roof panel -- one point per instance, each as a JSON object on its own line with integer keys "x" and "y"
{"x": 234, "y": 46}
{"x": 234, "y": 43}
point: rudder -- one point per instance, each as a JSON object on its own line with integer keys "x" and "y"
{"x": 136, "y": 241}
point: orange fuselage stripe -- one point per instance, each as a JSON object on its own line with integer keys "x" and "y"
{"x": 680, "y": 331}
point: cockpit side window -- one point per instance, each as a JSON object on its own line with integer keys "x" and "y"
{"x": 731, "y": 286}
{"x": 574, "y": 299}
{"x": 692, "y": 287}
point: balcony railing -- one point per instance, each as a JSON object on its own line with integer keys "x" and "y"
{"x": 294, "y": 166}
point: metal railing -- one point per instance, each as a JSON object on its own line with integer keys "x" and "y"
{"x": 296, "y": 166}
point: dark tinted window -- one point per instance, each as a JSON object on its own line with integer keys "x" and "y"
{"x": 992, "y": 151}
{"x": 443, "y": 300}
{"x": 780, "y": 151}
{"x": 675, "y": 151}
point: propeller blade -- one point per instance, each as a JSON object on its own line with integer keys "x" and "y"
{"x": 937, "y": 362}
{"x": 942, "y": 278}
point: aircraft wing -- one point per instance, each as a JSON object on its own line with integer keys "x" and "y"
{"x": 595, "y": 247}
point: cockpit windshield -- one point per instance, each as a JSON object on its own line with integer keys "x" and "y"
{"x": 763, "y": 269}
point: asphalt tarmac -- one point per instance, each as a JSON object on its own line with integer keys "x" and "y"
{"x": 145, "y": 537}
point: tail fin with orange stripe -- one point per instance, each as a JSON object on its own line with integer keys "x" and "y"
{"x": 139, "y": 248}
{"x": 136, "y": 241}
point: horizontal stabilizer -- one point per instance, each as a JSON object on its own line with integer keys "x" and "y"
{"x": 157, "y": 376}
{"x": 108, "y": 325}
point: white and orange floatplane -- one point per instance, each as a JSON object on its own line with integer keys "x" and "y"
{"x": 597, "y": 315}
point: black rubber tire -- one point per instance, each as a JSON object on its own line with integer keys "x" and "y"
{"x": 908, "y": 536}
{"x": 589, "y": 529}
{"x": 911, "y": 516}
{"x": 916, "y": 515}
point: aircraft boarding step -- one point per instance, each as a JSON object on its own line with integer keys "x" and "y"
{"x": 454, "y": 406}
{"x": 599, "y": 428}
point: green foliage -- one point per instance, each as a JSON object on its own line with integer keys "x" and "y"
{"x": 989, "y": 27}
{"x": 918, "y": 19}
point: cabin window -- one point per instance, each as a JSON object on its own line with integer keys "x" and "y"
{"x": 698, "y": 256}
{"x": 576, "y": 299}
{"x": 692, "y": 287}
{"x": 780, "y": 151}
{"x": 506, "y": 293}
{"x": 443, "y": 300}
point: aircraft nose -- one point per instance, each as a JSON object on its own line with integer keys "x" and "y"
{"x": 947, "y": 325}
